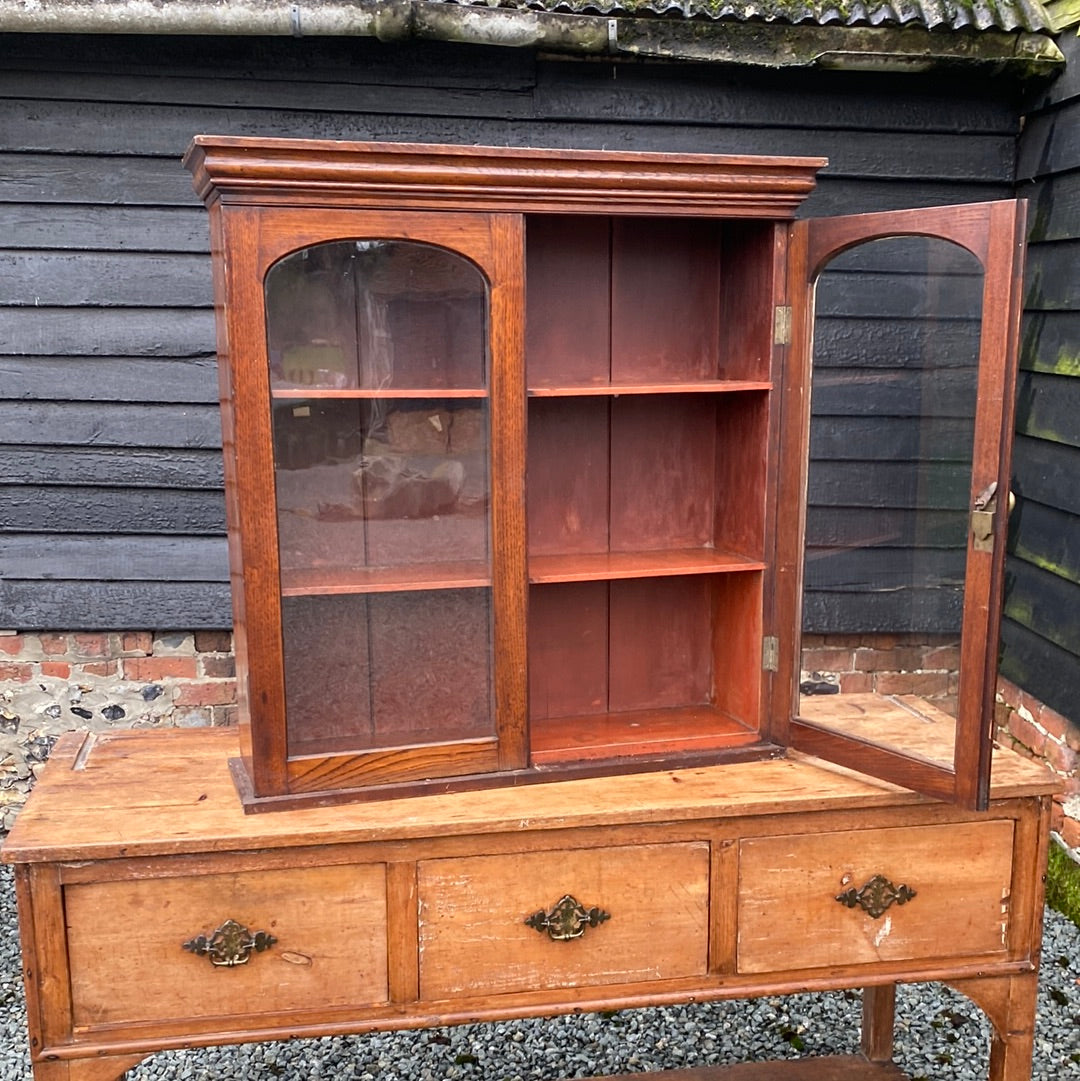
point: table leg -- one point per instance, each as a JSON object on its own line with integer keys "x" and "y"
{"x": 878, "y": 1018}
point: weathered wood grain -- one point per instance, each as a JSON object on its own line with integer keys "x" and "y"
{"x": 1047, "y": 407}
{"x": 110, "y": 332}
{"x": 1048, "y": 472}
{"x": 109, "y": 379}
{"x": 706, "y": 95}
{"x": 1045, "y": 603}
{"x": 111, "y": 424}
{"x": 117, "y": 606}
{"x": 1046, "y": 537}
{"x": 105, "y": 280}
{"x": 1050, "y": 281}
{"x": 114, "y": 558}
{"x": 928, "y": 485}
{"x": 125, "y": 467}
{"x": 77, "y": 509}
{"x": 55, "y": 227}
{"x": 1042, "y": 668}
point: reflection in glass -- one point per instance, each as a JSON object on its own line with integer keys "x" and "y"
{"x": 376, "y": 314}
{"x": 378, "y": 362}
{"x": 896, "y": 344}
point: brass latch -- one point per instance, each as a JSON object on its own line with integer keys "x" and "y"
{"x": 982, "y": 518}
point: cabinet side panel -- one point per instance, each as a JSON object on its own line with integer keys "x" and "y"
{"x": 737, "y": 630}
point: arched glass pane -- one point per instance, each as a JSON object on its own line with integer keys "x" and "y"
{"x": 378, "y": 353}
{"x": 895, "y": 366}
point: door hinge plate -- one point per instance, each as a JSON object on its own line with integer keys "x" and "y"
{"x": 770, "y": 653}
{"x": 782, "y": 324}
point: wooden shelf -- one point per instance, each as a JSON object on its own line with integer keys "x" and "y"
{"x": 593, "y": 566}
{"x": 707, "y": 386}
{"x": 638, "y": 733}
{"x": 343, "y": 580}
{"x": 367, "y": 393}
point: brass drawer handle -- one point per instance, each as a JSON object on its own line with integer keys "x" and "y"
{"x": 568, "y": 919}
{"x": 231, "y": 944}
{"x": 877, "y": 896}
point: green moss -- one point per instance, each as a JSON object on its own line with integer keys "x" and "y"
{"x": 1063, "y": 884}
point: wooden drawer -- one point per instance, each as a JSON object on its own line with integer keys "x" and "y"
{"x": 474, "y": 938}
{"x": 125, "y": 941}
{"x": 789, "y": 916}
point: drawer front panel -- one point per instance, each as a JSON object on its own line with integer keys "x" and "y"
{"x": 128, "y": 962}
{"x": 474, "y": 938}
{"x": 789, "y": 916}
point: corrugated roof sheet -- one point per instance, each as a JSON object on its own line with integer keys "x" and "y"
{"x": 1005, "y": 15}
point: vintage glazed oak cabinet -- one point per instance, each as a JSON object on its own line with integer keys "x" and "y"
{"x": 516, "y": 451}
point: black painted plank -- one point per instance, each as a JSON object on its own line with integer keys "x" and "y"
{"x": 105, "y": 279}
{"x": 297, "y": 59}
{"x": 117, "y": 129}
{"x": 1050, "y": 144}
{"x": 1053, "y": 206}
{"x": 845, "y": 195}
{"x": 1048, "y": 407}
{"x": 115, "y": 606}
{"x": 73, "y": 509}
{"x": 929, "y": 485}
{"x": 861, "y": 343}
{"x": 883, "y": 438}
{"x": 107, "y": 228}
{"x": 107, "y": 332}
{"x": 1052, "y": 275}
{"x": 674, "y": 93}
{"x": 262, "y": 92}
{"x": 864, "y": 570}
{"x": 1050, "y": 342}
{"x": 134, "y": 467}
{"x": 845, "y": 527}
{"x": 96, "y": 180}
{"x": 1043, "y": 603}
{"x": 110, "y": 424}
{"x": 1048, "y": 473}
{"x": 114, "y": 558}
{"x": 1046, "y": 537}
{"x": 110, "y": 379}
{"x": 880, "y": 295}
{"x": 933, "y": 393}
{"x": 930, "y": 611}
{"x": 1045, "y": 670}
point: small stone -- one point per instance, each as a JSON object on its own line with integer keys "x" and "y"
{"x": 113, "y": 713}
{"x": 53, "y": 711}
{"x": 151, "y": 691}
{"x": 80, "y": 712}
{"x": 9, "y": 722}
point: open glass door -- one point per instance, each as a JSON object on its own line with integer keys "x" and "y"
{"x": 904, "y": 347}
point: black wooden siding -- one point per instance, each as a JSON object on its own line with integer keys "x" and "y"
{"x": 1041, "y": 635}
{"x": 111, "y": 490}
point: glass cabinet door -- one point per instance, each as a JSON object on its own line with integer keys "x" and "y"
{"x": 379, "y": 358}
{"x": 908, "y": 331}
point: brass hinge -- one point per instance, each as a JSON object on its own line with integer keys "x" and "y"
{"x": 982, "y": 519}
{"x": 770, "y": 653}
{"x": 782, "y": 324}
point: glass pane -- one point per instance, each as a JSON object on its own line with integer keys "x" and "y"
{"x": 896, "y": 345}
{"x": 378, "y": 354}
{"x": 371, "y": 491}
{"x": 365, "y": 671}
{"x": 376, "y": 314}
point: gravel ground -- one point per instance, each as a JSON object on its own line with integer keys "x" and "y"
{"x": 940, "y": 1036}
